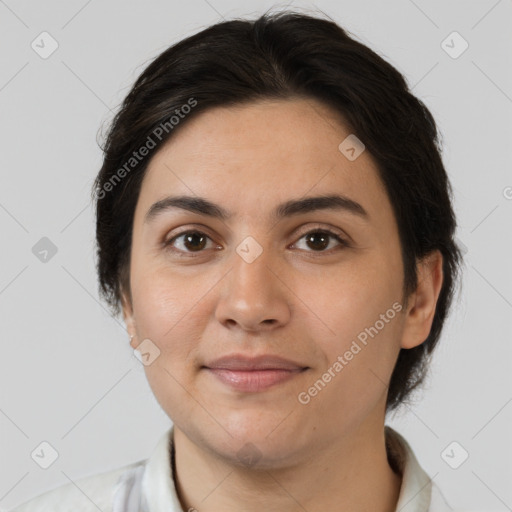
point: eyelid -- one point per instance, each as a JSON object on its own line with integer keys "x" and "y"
{"x": 192, "y": 228}
{"x": 327, "y": 229}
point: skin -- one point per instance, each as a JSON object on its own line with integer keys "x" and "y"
{"x": 294, "y": 300}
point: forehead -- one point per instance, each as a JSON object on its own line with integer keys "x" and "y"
{"x": 253, "y": 156}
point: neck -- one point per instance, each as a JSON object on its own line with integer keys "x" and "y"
{"x": 353, "y": 474}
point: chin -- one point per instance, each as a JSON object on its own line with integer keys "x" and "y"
{"x": 259, "y": 440}
{"x": 263, "y": 455}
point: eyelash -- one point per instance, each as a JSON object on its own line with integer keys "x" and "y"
{"x": 332, "y": 234}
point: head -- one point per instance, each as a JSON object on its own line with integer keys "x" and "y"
{"x": 257, "y": 118}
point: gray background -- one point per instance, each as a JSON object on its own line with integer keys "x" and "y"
{"x": 68, "y": 375}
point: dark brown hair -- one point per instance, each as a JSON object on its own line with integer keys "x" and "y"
{"x": 282, "y": 56}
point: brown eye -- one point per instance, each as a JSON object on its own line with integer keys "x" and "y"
{"x": 188, "y": 241}
{"x": 319, "y": 240}
{"x": 194, "y": 241}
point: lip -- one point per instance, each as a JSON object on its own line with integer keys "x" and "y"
{"x": 253, "y": 374}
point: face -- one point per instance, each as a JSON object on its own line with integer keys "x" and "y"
{"x": 276, "y": 326}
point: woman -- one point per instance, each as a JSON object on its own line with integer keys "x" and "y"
{"x": 274, "y": 221}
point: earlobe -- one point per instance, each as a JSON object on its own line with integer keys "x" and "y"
{"x": 422, "y": 302}
{"x": 129, "y": 319}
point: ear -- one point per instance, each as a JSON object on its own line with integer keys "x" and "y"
{"x": 129, "y": 318}
{"x": 422, "y": 303}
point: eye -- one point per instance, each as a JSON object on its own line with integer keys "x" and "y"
{"x": 194, "y": 241}
{"x": 319, "y": 239}
{"x": 188, "y": 242}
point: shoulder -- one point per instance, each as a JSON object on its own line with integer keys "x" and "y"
{"x": 88, "y": 494}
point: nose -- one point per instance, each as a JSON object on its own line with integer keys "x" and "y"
{"x": 254, "y": 296}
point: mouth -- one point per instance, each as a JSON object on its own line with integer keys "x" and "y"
{"x": 253, "y": 374}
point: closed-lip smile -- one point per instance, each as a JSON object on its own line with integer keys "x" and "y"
{"x": 253, "y": 374}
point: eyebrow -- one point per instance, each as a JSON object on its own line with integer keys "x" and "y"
{"x": 289, "y": 208}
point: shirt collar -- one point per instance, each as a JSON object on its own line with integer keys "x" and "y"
{"x": 416, "y": 488}
{"x": 158, "y": 485}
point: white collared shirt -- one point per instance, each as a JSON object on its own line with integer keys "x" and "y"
{"x": 148, "y": 486}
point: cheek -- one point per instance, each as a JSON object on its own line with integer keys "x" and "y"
{"x": 348, "y": 299}
{"x": 360, "y": 310}
{"x": 171, "y": 308}
{"x": 359, "y": 360}
{"x": 166, "y": 312}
